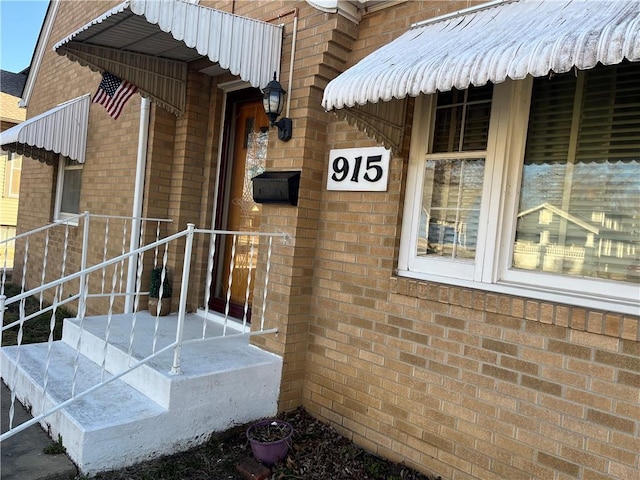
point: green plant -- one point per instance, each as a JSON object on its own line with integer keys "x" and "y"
{"x": 55, "y": 447}
{"x": 154, "y": 284}
{"x": 374, "y": 466}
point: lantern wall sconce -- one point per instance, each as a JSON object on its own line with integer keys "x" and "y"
{"x": 273, "y": 102}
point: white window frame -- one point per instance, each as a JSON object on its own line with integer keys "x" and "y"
{"x": 491, "y": 270}
{"x": 62, "y": 168}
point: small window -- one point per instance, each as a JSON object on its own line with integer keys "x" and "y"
{"x": 69, "y": 188}
{"x": 453, "y": 175}
{"x": 13, "y": 169}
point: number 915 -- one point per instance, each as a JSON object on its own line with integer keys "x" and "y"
{"x": 342, "y": 169}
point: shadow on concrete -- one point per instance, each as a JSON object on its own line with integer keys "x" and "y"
{"x": 22, "y": 456}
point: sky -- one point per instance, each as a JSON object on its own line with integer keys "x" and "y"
{"x": 20, "y": 24}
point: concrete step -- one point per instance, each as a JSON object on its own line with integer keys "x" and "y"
{"x": 91, "y": 428}
{"x": 201, "y": 363}
{"x": 223, "y": 382}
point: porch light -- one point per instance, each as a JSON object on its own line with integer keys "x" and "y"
{"x": 273, "y": 101}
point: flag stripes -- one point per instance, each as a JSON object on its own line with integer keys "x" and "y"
{"x": 113, "y": 93}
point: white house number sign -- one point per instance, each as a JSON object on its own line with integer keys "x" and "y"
{"x": 359, "y": 169}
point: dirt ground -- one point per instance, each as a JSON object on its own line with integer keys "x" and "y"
{"x": 317, "y": 452}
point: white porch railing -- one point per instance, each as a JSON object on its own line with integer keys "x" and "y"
{"x": 111, "y": 269}
{"x": 53, "y": 244}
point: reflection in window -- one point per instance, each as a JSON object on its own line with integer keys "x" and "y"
{"x": 452, "y": 186}
{"x": 451, "y": 206}
{"x": 581, "y": 170}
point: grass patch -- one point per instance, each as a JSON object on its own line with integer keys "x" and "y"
{"x": 55, "y": 448}
{"x": 38, "y": 328}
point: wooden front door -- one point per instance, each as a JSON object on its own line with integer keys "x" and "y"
{"x": 246, "y": 148}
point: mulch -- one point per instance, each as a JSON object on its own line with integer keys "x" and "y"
{"x": 317, "y": 452}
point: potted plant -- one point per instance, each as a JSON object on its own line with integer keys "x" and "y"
{"x": 156, "y": 307}
{"x": 270, "y": 440}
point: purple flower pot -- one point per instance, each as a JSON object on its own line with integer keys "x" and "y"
{"x": 267, "y": 446}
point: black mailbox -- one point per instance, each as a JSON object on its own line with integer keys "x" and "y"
{"x": 276, "y": 187}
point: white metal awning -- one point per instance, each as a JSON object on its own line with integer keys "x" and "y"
{"x": 59, "y": 131}
{"x": 151, "y": 42}
{"x": 490, "y": 43}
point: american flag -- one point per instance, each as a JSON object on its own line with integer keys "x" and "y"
{"x": 113, "y": 93}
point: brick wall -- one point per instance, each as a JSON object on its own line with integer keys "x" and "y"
{"x": 457, "y": 382}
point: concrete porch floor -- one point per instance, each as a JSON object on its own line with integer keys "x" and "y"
{"x": 194, "y": 356}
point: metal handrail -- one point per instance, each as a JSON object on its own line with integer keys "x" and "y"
{"x": 179, "y": 341}
{"x": 57, "y": 223}
{"x": 74, "y": 218}
{"x": 93, "y": 268}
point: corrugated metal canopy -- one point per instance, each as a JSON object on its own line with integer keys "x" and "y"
{"x": 59, "y": 131}
{"x": 150, "y": 43}
{"x": 506, "y": 39}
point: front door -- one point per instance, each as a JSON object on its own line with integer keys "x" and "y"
{"x": 246, "y": 152}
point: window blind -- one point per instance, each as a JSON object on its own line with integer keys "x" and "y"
{"x": 579, "y": 208}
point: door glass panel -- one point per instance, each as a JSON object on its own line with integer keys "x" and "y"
{"x": 238, "y": 254}
{"x": 246, "y": 217}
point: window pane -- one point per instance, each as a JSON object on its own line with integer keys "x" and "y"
{"x": 580, "y": 199}
{"x": 462, "y": 108}
{"x": 71, "y": 191}
{"x": 13, "y": 179}
{"x": 446, "y": 137}
{"x": 610, "y": 123}
{"x": 452, "y": 192}
{"x": 476, "y": 127}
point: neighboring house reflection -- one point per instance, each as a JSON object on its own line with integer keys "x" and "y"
{"x": 552, "y": 240}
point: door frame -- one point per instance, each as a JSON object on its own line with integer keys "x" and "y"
{"x": 233, "y": 92}
{"x": 228, "y": 88}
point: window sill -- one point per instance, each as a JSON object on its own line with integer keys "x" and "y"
{"x": 72, "y": 221}
{"x": 567, "y": 309}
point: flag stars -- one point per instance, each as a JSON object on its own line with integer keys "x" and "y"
{"x": 113, "y": 93}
